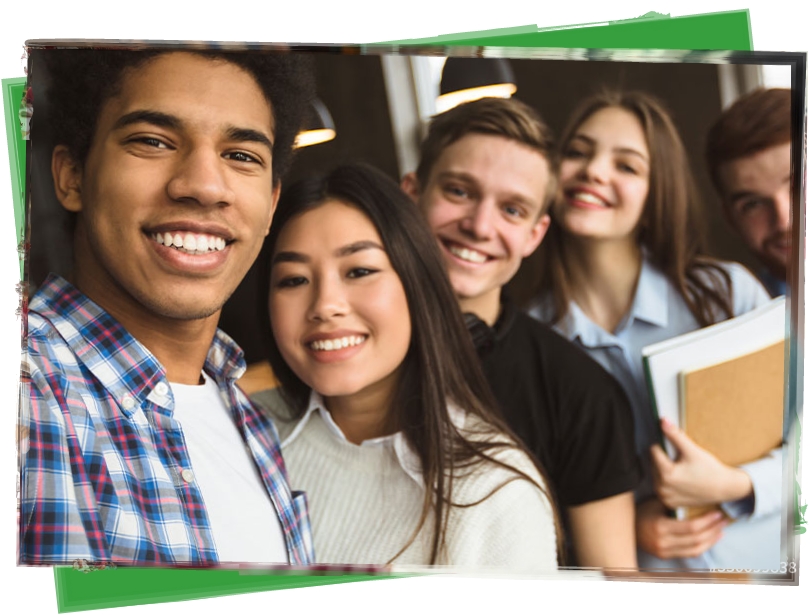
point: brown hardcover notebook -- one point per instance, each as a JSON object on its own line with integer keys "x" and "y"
{"x": 734, "y": 409}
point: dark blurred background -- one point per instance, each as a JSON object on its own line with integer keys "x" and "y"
{"x": 368, "y": 97}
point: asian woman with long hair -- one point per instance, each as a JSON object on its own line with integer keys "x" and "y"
{"x": 625, "y": 266}
{"x": 385, "y": 418}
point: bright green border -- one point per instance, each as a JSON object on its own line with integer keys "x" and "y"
{"x": 100, "y": 589}
{"x": 13, "y": 90}
{"x": 76, "y": 590}
{"x": 730, "y": 30}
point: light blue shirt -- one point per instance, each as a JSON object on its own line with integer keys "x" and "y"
{"x": 658, "y": 313}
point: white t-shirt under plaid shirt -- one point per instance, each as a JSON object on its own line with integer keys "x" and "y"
{"x": 106, "y": 474}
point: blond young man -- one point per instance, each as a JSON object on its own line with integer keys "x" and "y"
{"x": 484, "y": 181}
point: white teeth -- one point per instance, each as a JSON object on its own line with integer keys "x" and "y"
{"x": 338, "y": 343}
{"x": 190, "y": 243}
{"x": 587, "y": 197}
{"x": 468, "y": 255}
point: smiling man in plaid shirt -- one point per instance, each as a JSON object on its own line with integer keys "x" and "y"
{"x": 141, "y": 449}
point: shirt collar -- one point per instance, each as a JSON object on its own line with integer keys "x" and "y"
{"x": 651, "y": 301}
{"x": 576, "y": 325}
{"x": 406, "y": 456}
{"x": 123, "y": 365}
{"x": 225, "y": 360}
{"x": 506, "y": 319}
{"x": 650, "y": 304}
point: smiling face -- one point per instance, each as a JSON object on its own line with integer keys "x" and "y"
{"x": 176, "y": 194}
{"x": 756, "y": 198}
{"x": 483, "y": 201}
{"x": 604, "y": 177}
{"x": 338, "y": 309}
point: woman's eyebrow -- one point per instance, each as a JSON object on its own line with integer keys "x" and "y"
{"x": 290, "y": 256}
{"x": 582, "y": 137}
{"x": 357, "y": 246}
{"x": 619, "y": 150}
{"x": 631, "y": 151}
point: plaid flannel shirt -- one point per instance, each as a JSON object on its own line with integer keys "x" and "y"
{"x": 105, "y": 472}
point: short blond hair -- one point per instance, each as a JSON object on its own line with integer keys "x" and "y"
{"x": 502, "y": 117}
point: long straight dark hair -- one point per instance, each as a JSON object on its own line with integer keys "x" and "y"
{"x": 672, "y": 226}
{"x": 441, "y": 363}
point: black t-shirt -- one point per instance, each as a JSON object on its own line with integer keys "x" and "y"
{"x": 571, "y": 413}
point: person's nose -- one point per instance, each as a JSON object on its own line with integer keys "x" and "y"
{"x": 328, "y": 300}
{"x": 781, "y": 208}
{"x": 200, "y": 176}
{"x": 596, "y": 169}
{"x": 479, "y": 221}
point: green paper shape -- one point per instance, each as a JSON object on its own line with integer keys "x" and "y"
{"x": 113, "y": 587}
{"x": 99, "y": 589}
{"x": 729, "y": 30}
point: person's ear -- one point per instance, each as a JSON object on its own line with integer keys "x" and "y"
{"x": 273, "y": 205}
{"x": 410, "y": 186}
{"x": 67, "y": 178}
{"x": 537, "y": 233}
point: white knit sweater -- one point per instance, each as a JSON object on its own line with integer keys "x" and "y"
{"x": 365, "y": 505}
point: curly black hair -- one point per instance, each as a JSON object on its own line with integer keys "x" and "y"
{"x": 82, "y": 80}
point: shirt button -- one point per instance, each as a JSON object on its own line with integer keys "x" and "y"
{"x": 128, "y": 402}
{"x": 188, "y": 475}
{"x": 162, "y": 388}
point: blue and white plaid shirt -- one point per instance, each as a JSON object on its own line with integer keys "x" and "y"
{"x": 104, "y": 469}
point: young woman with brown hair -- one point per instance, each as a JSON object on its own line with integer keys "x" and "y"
{"x": 386, "y": 420}
{"x": 625, "y": 267}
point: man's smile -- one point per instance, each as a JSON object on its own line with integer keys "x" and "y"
{"x": 465, "y": 253}
{"x": 190, "y": 243}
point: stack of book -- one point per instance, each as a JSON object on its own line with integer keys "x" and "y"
{"x": 724, "y": 385}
